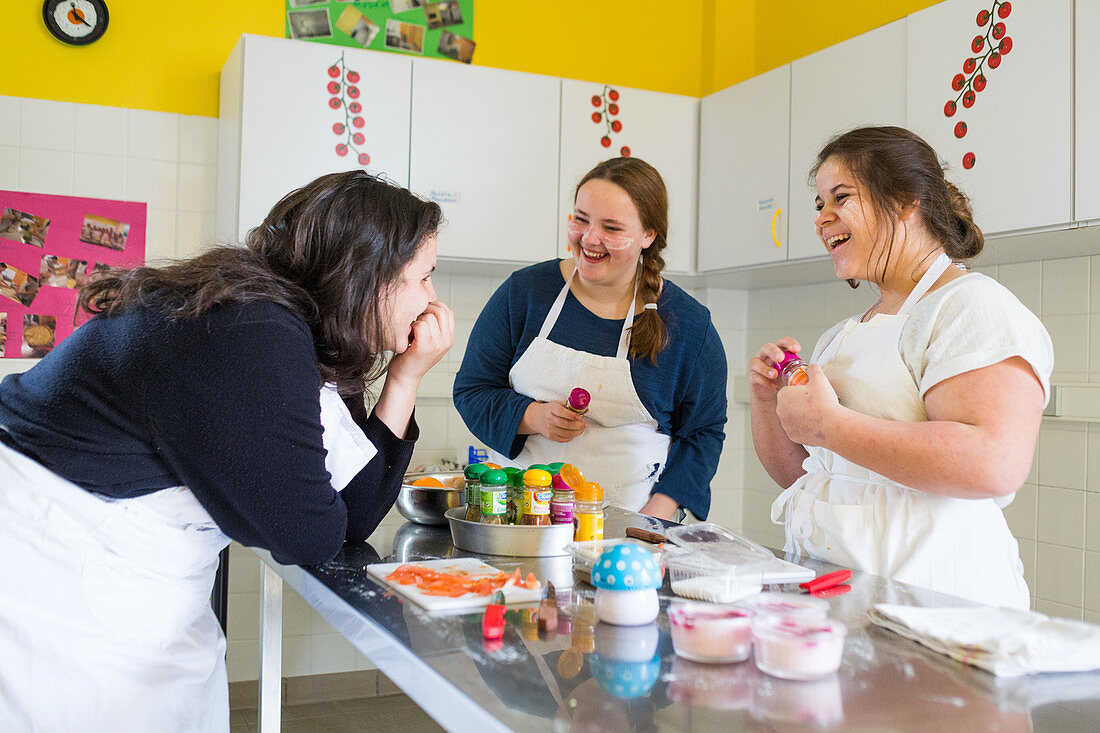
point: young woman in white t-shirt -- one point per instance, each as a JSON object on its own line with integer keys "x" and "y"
{"x": 920, "y": 416}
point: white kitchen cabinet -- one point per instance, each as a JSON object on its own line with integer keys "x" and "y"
{"x": 484, "y": 145}
{"x": 1087, "y": 106}
{"x": 661, "y": 129}
{"x": 276, "y": 122}
{"x": 744, "y": 135}
{"x": 824, "y": 102}
{"x": 1019, "y": 129}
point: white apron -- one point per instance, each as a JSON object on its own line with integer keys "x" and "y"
{"x": 105, "y": 617}
{"x": 621, "y": 448}
{"x": 843, "y": 513}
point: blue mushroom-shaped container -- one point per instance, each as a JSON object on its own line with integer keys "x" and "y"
{"x": 625, "y": 679}
{"x": 626, "y": 578}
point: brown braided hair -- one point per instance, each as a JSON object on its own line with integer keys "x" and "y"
{"x": 646, "y": 189}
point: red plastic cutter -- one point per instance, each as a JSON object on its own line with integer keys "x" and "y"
{"x": 828, "y": 585}
{"x": 492, "y": 623}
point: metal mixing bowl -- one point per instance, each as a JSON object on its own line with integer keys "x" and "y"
{"x": 428, "y": 504}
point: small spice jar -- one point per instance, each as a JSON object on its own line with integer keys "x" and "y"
{"x": 792, "y": 370}
{"x": 588, "y": 511}
{"x": 561, "y": 501}
{"x": 536, "y": 497}
{"x": 515, "y": 497}
{"x": 494, "y": 497}
{"x": 512, "y": 471}
{"x": 473, "y": 491}
{"x": 578, "y": 400}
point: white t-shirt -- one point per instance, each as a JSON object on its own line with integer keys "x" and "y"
{"x": 969, "y": 323}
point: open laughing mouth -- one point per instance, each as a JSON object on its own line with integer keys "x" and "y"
{"x": 591, "y": 256}
{"x": 836, "y": 240}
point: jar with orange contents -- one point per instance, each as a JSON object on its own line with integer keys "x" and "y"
{"x": 792, "y": 370}
{"x": 588, "y": 512}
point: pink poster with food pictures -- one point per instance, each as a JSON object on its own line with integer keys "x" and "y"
{"x": 49, "y": 247}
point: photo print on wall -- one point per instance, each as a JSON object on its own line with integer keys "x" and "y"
{"x": 49, "y": 247}
{"x": 441, "y": 29}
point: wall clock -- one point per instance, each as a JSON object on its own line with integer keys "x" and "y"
{"x": 76, "y": 22}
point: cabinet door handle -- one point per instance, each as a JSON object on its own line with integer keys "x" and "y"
{"x": 775, "y": 238}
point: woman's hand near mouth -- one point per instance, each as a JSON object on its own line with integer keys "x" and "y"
{"x": 433, "y": 334}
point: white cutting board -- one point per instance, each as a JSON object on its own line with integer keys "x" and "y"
{"x": 781, "y": 571}
{"x": 467, "y": 565}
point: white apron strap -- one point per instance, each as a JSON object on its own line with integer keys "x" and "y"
{"x": 559, "y": 302}
{"x": 928, "y": 279}
{"x": 555, "y": 309}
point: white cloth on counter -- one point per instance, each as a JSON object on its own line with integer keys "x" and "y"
{"x": 1004, "y": 641}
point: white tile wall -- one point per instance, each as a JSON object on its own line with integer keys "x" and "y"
{"x": 1056, "y": 515}
{"x": 166, "y": 160}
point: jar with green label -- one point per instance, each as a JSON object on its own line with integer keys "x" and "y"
{"x": 494, "y": 497}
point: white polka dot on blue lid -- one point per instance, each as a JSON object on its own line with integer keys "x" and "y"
{"x": 628, "y": 581}
{"x": 635, "y": 566}
{"x": 620, "y": 565}
{"x": 596, "y": 577}
{"x": 611, "y": 580}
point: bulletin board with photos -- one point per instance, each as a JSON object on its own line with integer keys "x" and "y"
{"x": 49, "y": 247}
{"x": 439, "y": 29}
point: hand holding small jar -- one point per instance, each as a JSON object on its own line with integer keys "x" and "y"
{"x": 552, "y": 420}
{"x": 765, "y": 376}
{"x": 805, "y": 411}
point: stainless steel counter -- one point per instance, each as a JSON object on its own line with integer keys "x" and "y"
{"x": 564, "y": 681}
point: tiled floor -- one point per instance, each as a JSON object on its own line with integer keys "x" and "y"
{"x": 385, "y": 713}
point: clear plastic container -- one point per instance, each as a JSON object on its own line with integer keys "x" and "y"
{"x": 797, "y": 648}
{"x": 702, "y": 577}
{"x": 715, "y": 538}
{"x": 791, "y": 605}
{"x": 585, "y": 553}
{"x": 710, "y": 634}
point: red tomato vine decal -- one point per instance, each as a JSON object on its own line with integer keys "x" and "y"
{"x": 350, "y": 128}
{"x": 607, "y": 105}
{"x": 989, "y": 49}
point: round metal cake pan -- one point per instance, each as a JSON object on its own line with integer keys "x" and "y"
{"x": 511, "y": 540}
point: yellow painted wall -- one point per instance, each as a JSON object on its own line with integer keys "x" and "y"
{"x": 786, "y": 30}
{"x": 167, "y": 57}
{"x": 634, "y": 43}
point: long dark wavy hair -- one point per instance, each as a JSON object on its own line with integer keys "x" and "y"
{"x": 646, "y": 189}
{"x": 896, "y": 167}
{"x": 328, "y": 251}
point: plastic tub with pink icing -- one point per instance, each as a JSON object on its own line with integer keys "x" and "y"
{"x": 797, "y": 648}
{"x": 711, "y": 634}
